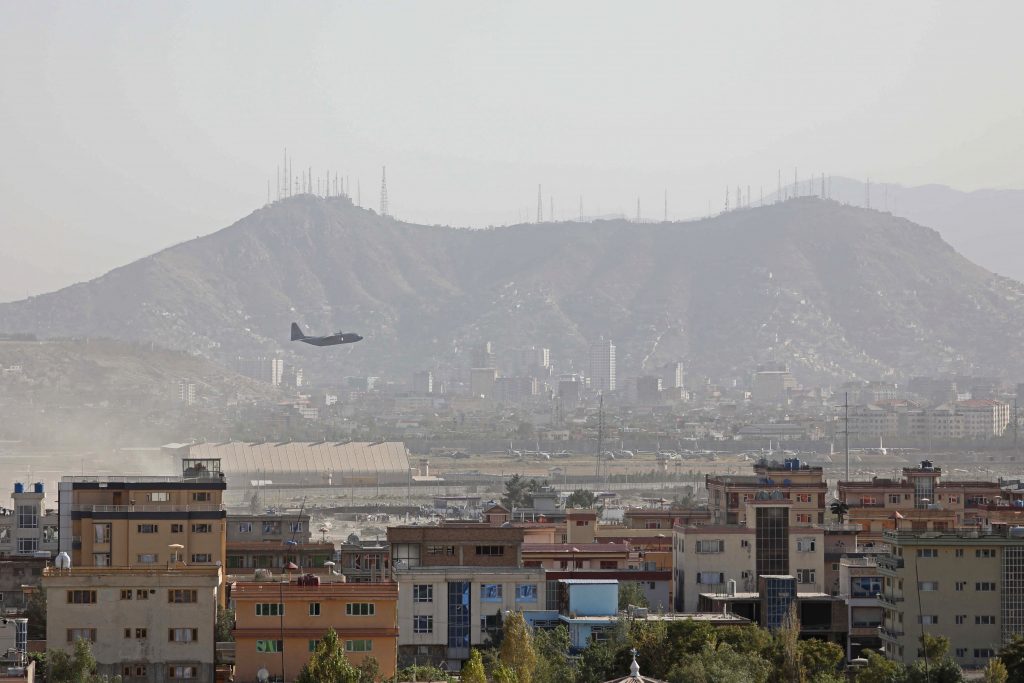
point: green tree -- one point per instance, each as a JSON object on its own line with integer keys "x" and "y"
{"x": 517, "y": 650}
{"x": 839, "y": 509}
{"x": 369, "y": 670}
{"x": 746, "y": 639}
{"x": 328, "y": 663}
{"x": 935, "y": 647}
{"x": 473, "y": 669}
{"x": 225, "y": 625}
{"x": 630, "y": 593}
{"x": 720, "y": 664}
{"x": 880, "y": 669}
{"x": 505, "y": 674}
{"x": 818, "y": 657}
{"x": 581, "y": 498}
{"x": 995, "y": 672}
{"x": 35, "y": 612}
{"x": 552, "y": 664}
{"x": 423, "y": 673}
{"x": 1012, "y": 657}
{"x": 789, "y": 668}
{"x": 943, "y": 670}
{"x": 78, "y": 667}
{"x": 519, "y": 491}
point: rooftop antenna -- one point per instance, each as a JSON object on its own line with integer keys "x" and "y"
{"x": 739, "y": 197}
{"x": 726, "y": 199}
{"x": 638, "y": 209}
{"x": 666, "y": 205}
{"x": 540, "y": 207}
{"x": 384, "y": 191}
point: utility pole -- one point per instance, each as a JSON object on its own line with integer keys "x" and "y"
{"x": 600, "y": 432}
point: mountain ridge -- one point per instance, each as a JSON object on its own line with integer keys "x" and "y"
{"x": 835, "y": 291}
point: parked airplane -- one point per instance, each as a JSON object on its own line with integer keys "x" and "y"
{"x": 329, "y": 340}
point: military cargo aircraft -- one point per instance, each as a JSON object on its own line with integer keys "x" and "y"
{"x": 329, "y": 340}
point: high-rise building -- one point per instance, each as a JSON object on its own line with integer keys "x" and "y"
{"x": 483, "y": 356}
{"x": 648, "y": 389}
{"x": 276, "y": 371}
{"x": 29, "y": 527}
{"x": 423, "y": 383}
{"x": 602, "y": 366}
{"x": 186, "y": 392}
{"x": 481, "y": 382}
{"x": 672, "y": 375}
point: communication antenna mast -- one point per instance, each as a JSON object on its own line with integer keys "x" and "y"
{"x": 739, "y": 197}
{"x": 778, "y": 197}
{"x": 600, "y": 432}
{"x": 384, "y": 191}
{"x": 666, "y": 205}
{"x": 726, "y": 199}
{"x": 638, "y": 209}
{"x": 540, "y": 206}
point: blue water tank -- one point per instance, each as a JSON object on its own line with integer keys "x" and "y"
{"x": 38, "y": 487}
{"x": 1018, "y": 503}
{"x": 19, "y": 487}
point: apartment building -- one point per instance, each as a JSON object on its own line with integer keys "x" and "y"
{"x": 455, "y": 581}
{"x": 145, "y": 521}
{"x": 272, "y": 541}
{"x": 28, "y": 527}
{"x": 153, "y": 624}
{"x": 365, "y": 560}
{"x": 923, "y": 500}
{"x": 860, "y": 583}
{"x": 279, "y": 624}
{"x": 804, "y": 486}
{"x": 965, "y": 584}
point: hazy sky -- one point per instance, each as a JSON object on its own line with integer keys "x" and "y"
{"x": 128, "y": 127}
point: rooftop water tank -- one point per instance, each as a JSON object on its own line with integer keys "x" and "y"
{"x": 1017, "y": 532}
{"x": 63, "y": 561}
{"x": 19, "y": 487}
{"x": 731, "y": 588}
{"x": 38, "y": 487}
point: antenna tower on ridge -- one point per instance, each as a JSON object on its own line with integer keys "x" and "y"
{"x": 384, "y": 191}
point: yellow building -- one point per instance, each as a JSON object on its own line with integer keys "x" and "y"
{"x": 145, "y": 521}
{"x": 963, "y": 584}
{"x": 151, "y": 624}
{"x": 279, "y": 624}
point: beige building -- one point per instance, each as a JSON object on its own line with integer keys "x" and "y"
{"x": 145, "y": 521}
{"x": 143, "y": 623}
{"x": 966, "y": 585}
{"x": 805, "y": 486}
{"x": 29, "y": 527}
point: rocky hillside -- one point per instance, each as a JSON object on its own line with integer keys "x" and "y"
{"x": 835, "y": 291}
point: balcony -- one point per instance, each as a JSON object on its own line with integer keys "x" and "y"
{"x": 890, "y": 600}
{"x": 891, "y": 633}
{"x": 141, "y": 509}
{"x": 890, "y": 562}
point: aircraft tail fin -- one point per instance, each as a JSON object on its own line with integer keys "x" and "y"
{"x": 296, "y": 332}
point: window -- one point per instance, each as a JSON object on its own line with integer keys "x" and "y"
{"x": 710, "y": 577}
{"x": 182, "y": 635}
{"x": 202, "y": 528}
{"x": 199, "y": 558}
{"x": 313, "y": 645}
{"x": 961, "y": 619}
{"x": 183, "y": 672}
{"x": 805, "y": 576}
{"x": 710, "y": 546}
{"x": 803, "y": 518}
{"x": 744, "y": 543}
{"x": 82, "y": 597}
{"x": 608, "y": 564}
{"x": 961, "y": 652}
{"x": 491, "y": 550}
{"x": 101, "y": 533}
{"x": 984, "y": 653}
{"x": 134, "y": 671}
{"x": 147, "y": 558}
{"x": 28, "y": 545}
{"x": 959, "y": 552}
{"x": 142, "y": 594}
{"x": 360, "y": 609}
{"x": 139, "y": 633}
{"x": 867, "y": 500}
{"x": 894, "y": 498}
{"x": 269, "y": 609}
{"x": 181, "y": 595}
{"x": 985, "y": 552}
{"x": 28, "y": 517}
{"x": 985, "y": 586}
{"x": 927, "y": 552}
{"x": 177, "y": 528}
{"x": 961, "y": 585}
{"x": 126, "y": 593}
{"x": 422, "y": 592}
{"x": 423, "y": 624}
{"x": 201, "y": 496}
{"x": 803, "y": 498}
{"x": 269, "y": 646}
{"x": 526, "y": 592}
{"x": 440, "y": 550}
{"x": 158, "y": 496}
{"x": 358, "y": 645}
{"x": 148, "y": 528}
{"x": 929, "y": 586}
{"x": 805, "y": 545}
{"x": 985, "y": 620}
{"x": 88, "y": 634}
{"x": 295, "y": 527}
{"x": 928, "y": 619}
{"x": 245, "y": 528}
{"x": 271, "y": 527}
{"x": 490, "y": 592}
{"x": 314, "y": 609}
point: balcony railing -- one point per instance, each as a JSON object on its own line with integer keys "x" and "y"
{"x": 890, "y": 562}
{"x": 201, "y": 507}
{"x": 890, "y": 600}
{"x": 890, "y": 633}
